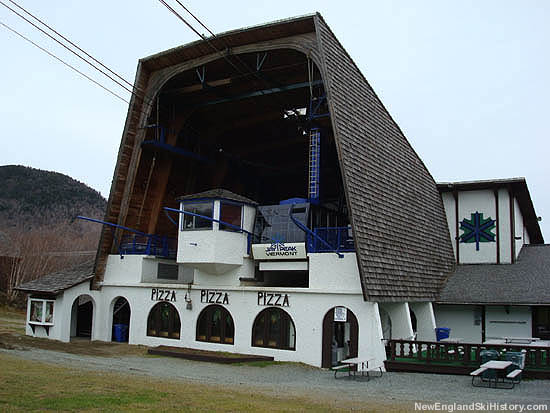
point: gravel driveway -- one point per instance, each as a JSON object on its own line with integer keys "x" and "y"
{"x": 294, "y": 379}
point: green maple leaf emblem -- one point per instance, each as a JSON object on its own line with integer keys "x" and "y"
{"x": 477, "y": 229}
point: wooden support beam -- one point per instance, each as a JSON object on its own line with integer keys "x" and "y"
{"x": 162, "y": 175}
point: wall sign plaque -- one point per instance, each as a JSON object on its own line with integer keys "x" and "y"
{"x": 158, "y": 294}
{"x": 340, "y": 314}
{"x": 214, "y": 297}
{"x": 279, "y": 251}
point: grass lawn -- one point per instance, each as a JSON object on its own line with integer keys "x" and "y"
{"x": 29, "y": 386}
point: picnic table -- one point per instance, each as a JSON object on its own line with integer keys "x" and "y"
{"x": 353, "y": 364}
{"x": 493, "y": 374}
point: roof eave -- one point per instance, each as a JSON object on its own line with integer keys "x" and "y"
{"x": 519, "y": 187}
{"x": 227, "y": 34}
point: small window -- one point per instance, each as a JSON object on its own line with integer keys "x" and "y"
{"x": 41, "y": 312}
{"x": 215, "y": 325}
{"x": 273, "y": 328}
{"x": 164, "y": 321}
{"x": 167, "y": 272}
{"x": 231, "y": 214}
{"x": 190, "y": 222}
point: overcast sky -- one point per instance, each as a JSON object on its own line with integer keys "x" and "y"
{"x": 468, "y": 82}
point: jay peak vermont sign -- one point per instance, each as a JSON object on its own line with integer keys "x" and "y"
{"x": 279, "y": 251}
{"x": 163, "y": 295}
{"x": 214, "y": 297}
{"x": 276, "y": 299}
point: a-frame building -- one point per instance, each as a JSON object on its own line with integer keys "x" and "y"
{"x": 265, "y": 202}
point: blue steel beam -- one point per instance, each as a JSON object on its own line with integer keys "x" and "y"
{"x": 135, "y": 231}
{"x": 261, "y": 93}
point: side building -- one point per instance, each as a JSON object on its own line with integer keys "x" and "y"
{"x": 501, "y": 286}
{"x": 263, "y": 202}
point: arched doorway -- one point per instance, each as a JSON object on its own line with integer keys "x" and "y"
{"x": 340, "y": 336}
{"x": 82, "y": 314}
{"x": 121, "y": 320}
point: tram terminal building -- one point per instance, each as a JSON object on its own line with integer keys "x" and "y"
{"x": 265, "y": 202}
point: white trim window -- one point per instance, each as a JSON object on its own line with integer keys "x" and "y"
{"x": 41, "y": 312}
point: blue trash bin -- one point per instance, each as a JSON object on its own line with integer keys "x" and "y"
{"x": 442, "y": 332}
{"x": 121, "y": 333}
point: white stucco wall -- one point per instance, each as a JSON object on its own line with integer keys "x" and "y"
{"x": 401, "y": 326}
{"x": 330, "y": 273}
{"x": 508, "y": 321}
{"x": 425, "y": 320}
{"x": 461, "y": 320}
{"x": 61, "y": 330}
{"x": 519, "y": 228}
{"x": 306, "y": 310}
{"x": 205, "y": 276}
{"x": 124, "y": 270}
{"x": 207, "y": 247}
{"x": 335, "y": 283}
{"x": 500, "y": 321}
{"x": 504, "y": 226}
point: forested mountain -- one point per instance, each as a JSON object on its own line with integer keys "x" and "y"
{"x": 38, "y": 229}
{"x": 32, "y": 197}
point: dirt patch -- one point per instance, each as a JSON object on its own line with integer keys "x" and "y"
{"x": 12, "y": 336}
{"x": 76, "y": 346}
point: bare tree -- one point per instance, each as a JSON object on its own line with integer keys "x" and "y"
{"x": 39, "y": 251}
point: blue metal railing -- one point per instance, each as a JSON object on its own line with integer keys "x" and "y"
{"x": 323, "y": 239}
{"x": 148, "y": 245}
{"x": 140, "y": 243}
{"x": 310, "y": 236}
{"x": 337, "y": 239}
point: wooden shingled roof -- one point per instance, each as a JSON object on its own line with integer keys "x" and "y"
{"x": 401, "y": 235}
{"x": 57, "y": 282}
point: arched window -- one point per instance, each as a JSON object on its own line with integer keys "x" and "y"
{"x": 164, "y": 321}
{"x": 273, "y": 328}
{"x": 215, "y": 325}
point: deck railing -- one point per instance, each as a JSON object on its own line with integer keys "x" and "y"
{"x": 465, "y": 354}
{"x": 148, "y": 245}
{"x": 337, "y": 239}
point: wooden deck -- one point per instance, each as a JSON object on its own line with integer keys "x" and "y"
{"x": 460, "y": 358}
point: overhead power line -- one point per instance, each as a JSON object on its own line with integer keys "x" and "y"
{"x": 62, "y": 61}
{"x": 132, "y": 90}
{"x": 179, "y": 16}
{"x": 196, "y": 18}
{"x": 72, "y": 44}
{"x": 67, "y": 47}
